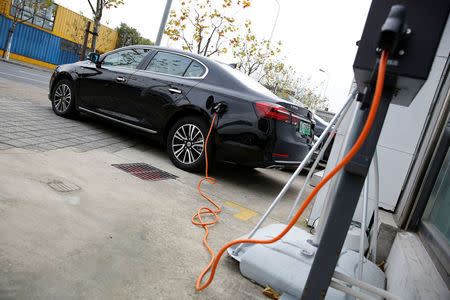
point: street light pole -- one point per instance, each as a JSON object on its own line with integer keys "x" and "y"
{"x": 276, "y": 20}
{"x": 326, "y": 85}
{"x": 271, "y": 35}
{"x": 163, "y": 22}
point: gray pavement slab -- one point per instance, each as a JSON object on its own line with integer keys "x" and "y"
{"x": 46, "y": 131}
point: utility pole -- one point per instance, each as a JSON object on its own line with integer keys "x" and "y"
{"x": 163, "y": 22}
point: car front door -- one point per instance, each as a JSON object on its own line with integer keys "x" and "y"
{"x": 105, "y": 89}
{"x": 162, "y": 86}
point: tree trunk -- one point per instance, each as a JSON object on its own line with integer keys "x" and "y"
{"x": 9, "y": 45}
{"x": 97, "y": 19}
{"x": 6, "y": 43}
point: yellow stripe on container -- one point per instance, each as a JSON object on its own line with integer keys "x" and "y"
{"x": 30, "y": 60}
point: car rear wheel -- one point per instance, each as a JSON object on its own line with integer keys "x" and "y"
{"x": 186, "y": 144}
{"x": 63, "y": 99}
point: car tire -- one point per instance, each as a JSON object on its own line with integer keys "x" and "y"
{"x": 63, "y": 99}
{"x": 186, "y": 144}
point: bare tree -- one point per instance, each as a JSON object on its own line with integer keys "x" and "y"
{"x": 98, "y": 14}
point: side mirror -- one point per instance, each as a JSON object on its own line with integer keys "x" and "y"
{"x": 94, "y": 57}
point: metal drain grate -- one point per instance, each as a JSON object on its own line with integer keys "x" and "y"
{"x": 145, "y": 171}
{"x": 63, "y": 186}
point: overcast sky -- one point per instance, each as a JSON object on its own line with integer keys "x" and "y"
{"x": 316, "y": 34}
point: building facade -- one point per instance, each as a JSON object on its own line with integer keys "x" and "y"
{"x": 50, "y": 36}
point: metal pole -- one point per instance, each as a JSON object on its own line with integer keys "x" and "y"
{"x": 276, "y": 20}
{"x": 332, "y": 184}
{"x": 373, "y": 240}
{"x": 299, "y": 169}
{"x": 163, "y": 22}
{"x": 319, "y": 157}
{"x": 363, "y": 226}
{"x": 365, "y": 286}
{"x": 349, "y": 291}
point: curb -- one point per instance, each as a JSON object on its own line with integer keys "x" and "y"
{"x": 26, "y": 65}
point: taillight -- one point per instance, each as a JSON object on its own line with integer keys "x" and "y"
{"x": 273, "y": 111}
{"x": 295, "y": 119}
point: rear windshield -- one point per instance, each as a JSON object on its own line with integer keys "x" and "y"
{"x": 248, "y": 81}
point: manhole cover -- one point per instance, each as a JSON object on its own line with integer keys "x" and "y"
{"x": 61, "y": 186}
{"x": 145, "y": 171}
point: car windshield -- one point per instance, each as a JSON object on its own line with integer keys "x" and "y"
{"x": 247, "y": 80}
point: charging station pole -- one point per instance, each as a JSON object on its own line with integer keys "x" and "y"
{"x": 343, "y": 207}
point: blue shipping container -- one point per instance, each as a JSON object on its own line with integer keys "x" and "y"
{"x": 36, "y": 44}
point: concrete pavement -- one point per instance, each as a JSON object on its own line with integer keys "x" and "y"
{"x": 114, "y": 236}
{"x": 36, "y": 127}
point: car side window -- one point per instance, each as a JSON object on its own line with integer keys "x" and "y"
{"x": 168, "y": 63}
{"x": 195, "y": 70}
{"x": 129, "y": 58}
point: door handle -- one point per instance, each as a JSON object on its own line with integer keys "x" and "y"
{"x": 174, "y": 91}
{"x": 120, "y": 79}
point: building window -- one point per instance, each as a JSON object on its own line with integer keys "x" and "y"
{"x": 40, "y": 16}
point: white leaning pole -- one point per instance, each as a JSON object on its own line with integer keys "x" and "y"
{"x": 319, "y": 157}
{"x": 332, "y": 184}
{"x": 373, "y": 239}
{"x": 363, "y": 226}
{"x": 298, "y": 170}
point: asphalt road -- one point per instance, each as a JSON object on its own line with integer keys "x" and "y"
{"x": 26, "y": 75}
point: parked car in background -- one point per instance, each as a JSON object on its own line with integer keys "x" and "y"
{"x": 170, "y": 95}
{"x": 320, "y": 126}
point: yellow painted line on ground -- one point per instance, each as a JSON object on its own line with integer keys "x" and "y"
{"x": 245, "y": 214}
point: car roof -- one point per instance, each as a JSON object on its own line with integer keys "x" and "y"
{"x": 183, "y": 52}
{"x": 221, "y": 75}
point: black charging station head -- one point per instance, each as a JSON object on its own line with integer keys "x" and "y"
{"x": 393, "y": 30}
{"x": 411, "y": 30}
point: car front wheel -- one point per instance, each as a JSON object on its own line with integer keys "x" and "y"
{"x": 186, "y": 144}
{"x": 63, "y": 99}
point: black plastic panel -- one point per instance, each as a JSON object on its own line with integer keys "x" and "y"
{"x": 406, "y": 73}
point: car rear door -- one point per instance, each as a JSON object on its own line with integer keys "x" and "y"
{"x": 162, "y": 86}
{"x": 105, "y": 89}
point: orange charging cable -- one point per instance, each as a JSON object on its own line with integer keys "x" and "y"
{"x": 197, "y": 218}
{"x": 359, "y": 142}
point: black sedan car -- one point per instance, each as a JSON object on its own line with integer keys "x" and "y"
{"x": 172, "y": 95}
{"x": 320, "y": 126}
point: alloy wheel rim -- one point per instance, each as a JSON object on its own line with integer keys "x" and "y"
{"x": 62, "y": 98}
{"x": 188, "y": 144}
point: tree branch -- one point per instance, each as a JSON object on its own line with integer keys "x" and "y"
{"x": 186, "y": 42}
{"x": 92, "y": 7}
{"x": 210, "y": 39}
